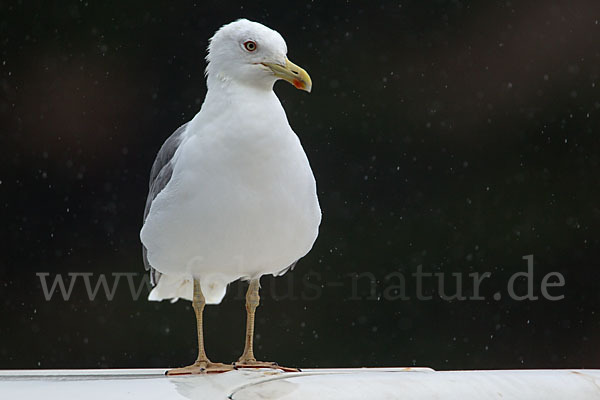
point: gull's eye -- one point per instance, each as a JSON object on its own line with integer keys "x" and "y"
{"x": 250, "y": 45}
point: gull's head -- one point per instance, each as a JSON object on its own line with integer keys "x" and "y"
{"x": 250, "y": 54}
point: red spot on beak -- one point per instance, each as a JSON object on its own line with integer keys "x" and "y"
{"x": 298, "y": 84}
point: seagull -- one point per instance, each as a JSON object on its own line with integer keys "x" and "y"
{"x": 232, "y": 194}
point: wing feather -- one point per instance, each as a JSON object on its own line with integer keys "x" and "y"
{"x": 160, "y": 175}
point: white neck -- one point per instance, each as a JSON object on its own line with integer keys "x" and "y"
{"x": 222, "y": 83}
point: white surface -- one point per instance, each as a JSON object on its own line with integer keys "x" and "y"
{"x": 371, "y": 383}
{"x": 242, "y": 200}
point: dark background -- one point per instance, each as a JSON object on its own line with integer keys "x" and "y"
{"x": 460, "y": 136}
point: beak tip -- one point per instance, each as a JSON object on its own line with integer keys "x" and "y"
{"x": 291, "y": 73}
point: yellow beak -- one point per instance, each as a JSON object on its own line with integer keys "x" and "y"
{"x": 292, "y": 73}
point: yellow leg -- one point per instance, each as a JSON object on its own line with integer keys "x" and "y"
{"x": 203, "y": 364}
{"x": 252, "y": 302}
{"x": 247, "y": 359}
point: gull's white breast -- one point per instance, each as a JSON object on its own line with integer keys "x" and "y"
{"x": 241, "y": 201}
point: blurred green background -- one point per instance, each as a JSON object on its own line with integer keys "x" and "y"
{"x": 455, "y": 135}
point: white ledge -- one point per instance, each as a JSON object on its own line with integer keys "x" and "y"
{"x": 345, "y": 383}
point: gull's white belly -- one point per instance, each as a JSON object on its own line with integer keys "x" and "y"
{"x": 233, "y": 215}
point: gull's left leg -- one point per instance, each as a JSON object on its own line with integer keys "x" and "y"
{"x": 247, "y": 359}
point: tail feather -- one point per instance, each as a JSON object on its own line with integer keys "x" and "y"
{"x": 174, "y": 287}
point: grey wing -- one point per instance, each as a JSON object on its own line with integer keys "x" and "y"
{"x": 160, "y": 174}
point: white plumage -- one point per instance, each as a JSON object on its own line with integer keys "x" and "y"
{"x": 233, "y": 195}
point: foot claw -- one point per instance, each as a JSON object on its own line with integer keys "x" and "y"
{"x": 199, "y": 368}
{"x": 262, "y": 364}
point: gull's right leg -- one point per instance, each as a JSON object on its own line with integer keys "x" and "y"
{"x": 202, "y": 365}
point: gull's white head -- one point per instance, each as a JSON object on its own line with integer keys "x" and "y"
{"x": 250, "y": 54}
